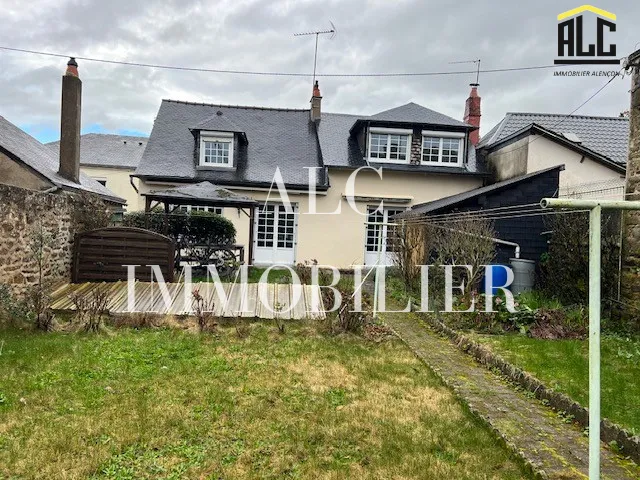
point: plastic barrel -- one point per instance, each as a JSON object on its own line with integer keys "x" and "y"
{"x": 499, "y": 276}
{"x": 524, "y": 275}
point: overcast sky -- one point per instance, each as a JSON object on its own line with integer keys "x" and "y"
{"x": 373, "y": 36}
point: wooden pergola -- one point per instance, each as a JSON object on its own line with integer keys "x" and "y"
{"x": 204, "y": 194}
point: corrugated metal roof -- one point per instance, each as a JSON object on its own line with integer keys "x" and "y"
{"x": 608, "y": 136}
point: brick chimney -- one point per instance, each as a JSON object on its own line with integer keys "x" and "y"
{"x": 70, "y": 123}
{"x": 472, "y": 113}
{"x": 316, "y": 99}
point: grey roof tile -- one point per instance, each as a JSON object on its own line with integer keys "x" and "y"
{"x": 608, "y": 136}
{"x": 203, "y": 192}
{"x": 414, "y": 113}
{"x": 107, "y": 150}
{"x": 45, "y": 160}
{"x": 276, "y": 138}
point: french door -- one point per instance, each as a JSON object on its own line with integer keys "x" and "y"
{"x": 275, "y": 235}
{"x": 376, "y": 247}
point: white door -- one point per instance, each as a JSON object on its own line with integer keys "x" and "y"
{"x": 377, "y": 225}
{"x": 275, "y": 235}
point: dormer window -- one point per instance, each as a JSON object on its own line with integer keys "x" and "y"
{"x": 216, "y": 149}
{"x": 443, "y": 148}
{"x": 389, "y": 145}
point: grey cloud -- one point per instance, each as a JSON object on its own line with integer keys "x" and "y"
{"x": 373, "y": 36}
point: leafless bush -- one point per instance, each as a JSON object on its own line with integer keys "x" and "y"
{"x": 409, "y": 244}
{"x": 467, "y": 241}
{"x": 91, "y": 309}
{"x": 37, "y": 296}
{"x": 349, "y": 320}
{"x": 243, "y": 329}
{"x": 277, "y": 317}
{"x": 203, "y": 310}
{"x": 303, "y": 270}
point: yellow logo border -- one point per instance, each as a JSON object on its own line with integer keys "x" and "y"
{"x": 587, "y": 8}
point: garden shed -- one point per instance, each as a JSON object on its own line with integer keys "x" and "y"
{"x": 513, "y": 206}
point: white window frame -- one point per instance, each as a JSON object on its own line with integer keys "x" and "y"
{"x": 442, "y": 135}
{"x": 221, "y": 137}
{"x": 196, "y": 208}
{"x": 388, "y": 132}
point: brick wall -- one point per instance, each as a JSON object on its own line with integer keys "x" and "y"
{"x": 21, "y": 214}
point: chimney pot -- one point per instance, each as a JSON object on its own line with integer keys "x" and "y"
{"x": 316, "y": 100}
{"x": 472, "y": 113}
{"x": 70, "y": 123}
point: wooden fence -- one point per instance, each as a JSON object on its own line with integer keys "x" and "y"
{"x": 102, "y": 254}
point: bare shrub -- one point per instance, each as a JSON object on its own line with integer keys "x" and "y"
{"x": 409, "y": 245}
{"x": 91, "y": 309}
{"x": 277, "y": 317}
{"x": 303, "y": 270}
{"x": 203, "y": 310}
{"x": 37, "y": 296}
{"x": 243, "y": 328}
{"x": 349, "y": 320}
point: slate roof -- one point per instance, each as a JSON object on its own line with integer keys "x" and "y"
{"x": 45, "y": 160}
{"x": 107, "y": 150}
{"x": 203, "y": 192}
{"x": 273, "y": 138}
{"x": 414, "y": 113}
{"x": 607, "y": 136}
{"x": 430, "y": 207}
{"x": 281, "y": 138}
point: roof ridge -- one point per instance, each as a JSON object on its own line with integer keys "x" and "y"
{"x": 245, "y": 107}
{"x": 602, "y": 117}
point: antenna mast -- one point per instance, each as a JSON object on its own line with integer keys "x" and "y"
{"x": 477, "y": 62}
{"x": 317, "y": 33}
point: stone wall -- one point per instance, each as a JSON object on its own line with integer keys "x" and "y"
{"x": 22, "y": 214}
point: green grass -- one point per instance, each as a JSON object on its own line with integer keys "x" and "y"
{"x": 564, "y": 366}
{"x": 172, "y": 404}
{"x": 254, "y": 275}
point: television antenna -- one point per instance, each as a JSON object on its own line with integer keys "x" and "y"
{"x": 477, "y": 63}
{"x": 332, "y": 32}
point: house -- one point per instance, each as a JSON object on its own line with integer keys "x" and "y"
{"x": 593, "y": 151}
{"x": 110, "y": 160}
{"x": 511, "y": 205}
{"x": 29, "y": 164}
{"x": 44, "y": 197}
{"x": 410, "y": 154}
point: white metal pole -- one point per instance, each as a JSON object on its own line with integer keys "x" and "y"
{"x": 594, "y": 342}
{"x": 377, "y": 280}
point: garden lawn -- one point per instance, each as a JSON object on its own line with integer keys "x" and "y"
{"x": 173, "y": 404}
{"x": 564, "y": 366}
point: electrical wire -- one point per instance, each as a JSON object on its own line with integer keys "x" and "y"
{"x": 275, "y": 74}
{"x": 565, "y": 117}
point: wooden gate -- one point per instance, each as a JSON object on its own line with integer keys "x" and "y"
{"x": 102, "y": 254}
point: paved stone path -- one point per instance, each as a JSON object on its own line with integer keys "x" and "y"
{"x": 553, "y": 448}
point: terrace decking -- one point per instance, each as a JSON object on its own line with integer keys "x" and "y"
{"x": 148, "y": 298}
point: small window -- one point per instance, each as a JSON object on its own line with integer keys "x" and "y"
{"x": 389, "y": 145}
{"x": 442, "y": 149}
{"x": 216, "y": 150}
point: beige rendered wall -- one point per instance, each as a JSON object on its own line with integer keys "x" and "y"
{"x": 578, "y": 170}
{"x": 118, "y": 182}
{"x": 339, "y": 239}
{"x": 17, "y": 175}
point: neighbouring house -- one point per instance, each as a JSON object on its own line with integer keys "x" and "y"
{"x": 44, "y": 192}
{"x": 110, "y": 160}
{"x": 512, "y": 206}
{"x": 592, "y": 149}
{"x": 420, "y": 156}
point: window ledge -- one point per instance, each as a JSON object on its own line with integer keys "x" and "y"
{"x": 216, "y": 167}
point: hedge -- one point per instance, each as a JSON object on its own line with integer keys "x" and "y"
{"x": 206, "y": 228}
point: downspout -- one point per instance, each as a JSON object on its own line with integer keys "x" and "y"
{"x": 133, "y": 184}
{"x": 494, "y": 240}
